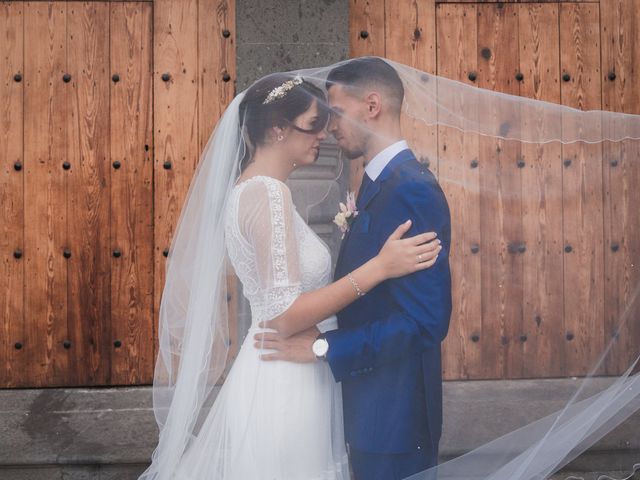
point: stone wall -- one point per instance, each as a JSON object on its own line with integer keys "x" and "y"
{"x": 283, "y": 35}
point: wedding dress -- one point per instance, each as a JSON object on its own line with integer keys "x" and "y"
{"x": 271, "y": 420}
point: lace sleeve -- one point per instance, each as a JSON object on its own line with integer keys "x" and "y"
{"x": 266, "y": 223}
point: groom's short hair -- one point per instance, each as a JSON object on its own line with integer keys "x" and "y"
{"x": 365, "y": 72}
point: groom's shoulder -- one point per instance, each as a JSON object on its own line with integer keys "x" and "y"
{"x": 414, "y": 184}
{"x": 413, "y": 175}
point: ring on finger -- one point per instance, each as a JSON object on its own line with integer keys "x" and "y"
{"x": 419, "y": 258}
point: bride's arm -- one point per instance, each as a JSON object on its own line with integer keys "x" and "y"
{"x": 398, "y": 257}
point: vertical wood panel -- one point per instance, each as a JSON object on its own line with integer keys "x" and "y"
{"x": 216, "y": 58}
{"x": 457, "y": 28}
{"x": 132, "y": 318}
{"x": 216, "y": 61}
{"x": 88, "y": 192}
{"x": 12, "y": 360}
{"x": 175, "y": 30}
{"x": 542, "y": 351}
{"x": 620, "y": 36}
{"x": 519, "y": 1}
{"x": 366, "y": 27}
{"x": 410, "y": 33}
{"x": 500, "y": 201}
{"x": 46, "y": 108}
{"x": 410, "y": 38}
{"x": 366, "y": 37}
{"x": 582, "y": 192}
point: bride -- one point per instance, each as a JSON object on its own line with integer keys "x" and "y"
{"x": 280, "y": 420}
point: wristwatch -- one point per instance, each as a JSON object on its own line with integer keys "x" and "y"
{"x": 320, "y": 347}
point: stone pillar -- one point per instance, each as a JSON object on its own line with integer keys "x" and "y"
{"x": 282, "y": 35}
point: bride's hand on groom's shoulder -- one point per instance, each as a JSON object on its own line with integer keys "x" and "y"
{"x": 296, "y": 348}
{"x": 402, "y": 256}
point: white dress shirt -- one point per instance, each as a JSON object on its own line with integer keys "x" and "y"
{"x": 377, "y": 163}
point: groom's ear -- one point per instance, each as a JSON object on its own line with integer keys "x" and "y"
{"x": 374, "y": 104}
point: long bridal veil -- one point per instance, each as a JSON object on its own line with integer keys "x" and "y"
{"x": 544, "y": 256}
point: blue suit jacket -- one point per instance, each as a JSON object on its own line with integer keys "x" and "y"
{"x": 386, "y": 350}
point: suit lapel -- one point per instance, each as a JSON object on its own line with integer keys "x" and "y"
{"x": 374, "y": 187}
{"x": 337, "y": 274}
{"x": 370, "y": 191}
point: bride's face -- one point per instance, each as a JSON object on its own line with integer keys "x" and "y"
{"x": 304, "y": 136}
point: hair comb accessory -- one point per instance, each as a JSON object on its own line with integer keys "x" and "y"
{"x": 282, "y": 90}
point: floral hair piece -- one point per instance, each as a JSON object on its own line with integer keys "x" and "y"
{"x": 282, "y": 90}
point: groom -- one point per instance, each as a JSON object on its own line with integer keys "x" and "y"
{"x": 386, "y": 351}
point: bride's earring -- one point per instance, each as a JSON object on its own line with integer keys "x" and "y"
{"x": 295, "y": 164}
{"x": 280, "y": 137}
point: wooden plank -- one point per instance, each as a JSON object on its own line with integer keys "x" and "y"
{"x": 132, "y": 319}
{"x": 517, "y": 1}
{"x": 410, "y": 33}
{"x": 457, "y": 48}
{"x": 582, "y": 192}
{"x": 500, "y": 202}
{"x": 175, "y": 52}
{"x": 45, "y": 195}
{"x": 88, "y": 186}
{"x": 620, "y": 33}
{"x": 216, "y": 88}
{"x": 216, "y": 58}
{"x": 12, "y": 360}
{"x": 104, "y": 1}
{"x": 366, "y": 27}
{"x": 366, "y": 37}
{"x": 410, "y": 38}
{"x": 542, "y": 336}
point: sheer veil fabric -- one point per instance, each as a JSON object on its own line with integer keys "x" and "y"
{"x": 194, "y": 319}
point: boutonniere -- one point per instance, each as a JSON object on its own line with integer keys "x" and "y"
{"x": 347, "y": 213}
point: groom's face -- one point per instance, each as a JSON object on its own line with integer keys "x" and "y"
{"x": 346, "y": 120}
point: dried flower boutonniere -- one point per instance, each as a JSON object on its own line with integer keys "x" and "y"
{"x": 347, "y": 213}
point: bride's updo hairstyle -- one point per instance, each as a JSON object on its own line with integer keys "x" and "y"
{"x": 276, "y": 100}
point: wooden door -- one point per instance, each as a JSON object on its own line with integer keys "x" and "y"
{"x": 104, "y": 110}
{"x": 76, "y": 151}
{"x": 543, "y": 235}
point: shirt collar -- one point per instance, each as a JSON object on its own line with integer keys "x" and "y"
{"x": 374, "y": 168}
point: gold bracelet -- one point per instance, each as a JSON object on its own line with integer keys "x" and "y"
{"x": 355, "y": 285}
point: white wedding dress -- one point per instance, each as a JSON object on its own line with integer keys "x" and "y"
{"x": 271, "y": 420}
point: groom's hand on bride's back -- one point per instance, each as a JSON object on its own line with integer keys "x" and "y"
{"x": 401, "y": 256}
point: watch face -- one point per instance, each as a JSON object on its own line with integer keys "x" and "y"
{"x": 320, "y": 347}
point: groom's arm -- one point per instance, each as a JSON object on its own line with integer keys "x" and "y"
{"x": 423, "y": 299}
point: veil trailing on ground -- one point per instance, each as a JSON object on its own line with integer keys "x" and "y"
{"x": 545, "y": 246}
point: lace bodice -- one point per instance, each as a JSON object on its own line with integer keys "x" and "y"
{"x": 275, "y": 254}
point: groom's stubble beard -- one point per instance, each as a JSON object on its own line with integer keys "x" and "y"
{"x": 358, "y": 151}
{"x": 352, "y": 154}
